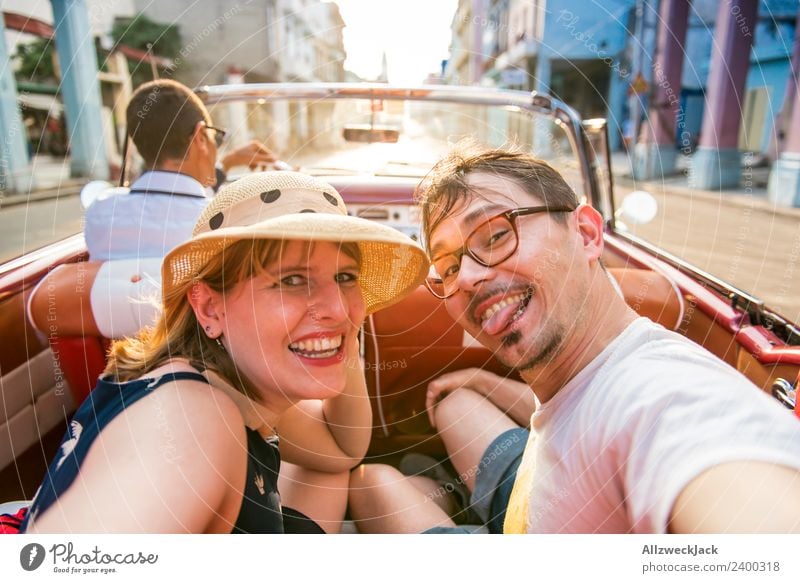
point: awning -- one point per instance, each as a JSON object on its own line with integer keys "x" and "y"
{"x": 41, "y": 102}
{"x": 34, "y": 26}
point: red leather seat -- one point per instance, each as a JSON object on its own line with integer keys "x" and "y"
{"x": 60, "y": 308}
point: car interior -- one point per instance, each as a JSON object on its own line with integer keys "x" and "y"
{"x": 57, "y": 335}
{"x": 46, "y": 306}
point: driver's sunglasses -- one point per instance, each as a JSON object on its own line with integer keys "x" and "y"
{"x": 489, "y": 244}
{"x": 219, "y": 135}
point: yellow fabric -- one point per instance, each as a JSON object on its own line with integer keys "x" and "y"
{"x": 518, "y": 512}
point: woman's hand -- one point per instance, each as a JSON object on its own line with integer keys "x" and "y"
{"x": 331, "y": 435}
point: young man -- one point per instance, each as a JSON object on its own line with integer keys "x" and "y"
{"x": 637, "y": 429}
{"x": 174, "y": 134}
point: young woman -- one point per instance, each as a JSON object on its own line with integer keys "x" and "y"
{"x": 258, "y": 338}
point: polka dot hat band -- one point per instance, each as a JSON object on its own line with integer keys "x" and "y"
{"x": 295, "y": 206}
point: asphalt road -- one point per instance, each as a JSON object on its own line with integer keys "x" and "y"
{"x": 30, "y": 226}
{"x": 739, "y": 239}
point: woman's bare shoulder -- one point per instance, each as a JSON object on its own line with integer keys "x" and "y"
{"x": 174, "y": 461}
{"x": 196, "y": 400}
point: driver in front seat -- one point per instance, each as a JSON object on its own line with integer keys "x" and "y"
{"x": 174, "y": 134}
{"x": 130, "y": 230}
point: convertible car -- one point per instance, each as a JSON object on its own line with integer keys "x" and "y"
{"x": 374, "y": 143}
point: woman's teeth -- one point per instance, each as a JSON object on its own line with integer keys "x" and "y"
{"x": 317, "y": 347}
{"x": 521, "y": 298}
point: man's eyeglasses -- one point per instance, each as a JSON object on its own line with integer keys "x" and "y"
{"x": 219, "y": 135}
{"x": 489, "y": 244}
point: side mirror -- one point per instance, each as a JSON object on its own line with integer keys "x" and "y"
{"x": 94, "y": 190}
{"x": 638, "y": 208}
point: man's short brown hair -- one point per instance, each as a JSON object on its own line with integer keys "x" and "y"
{"x": 446, "y": 185}
{"x": 161, "y": 119}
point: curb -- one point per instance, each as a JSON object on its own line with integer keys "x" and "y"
{"x": 64, "y": 190}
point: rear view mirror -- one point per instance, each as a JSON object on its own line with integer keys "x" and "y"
{"x": 371, "y": 133}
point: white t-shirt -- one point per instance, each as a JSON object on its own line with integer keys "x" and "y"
{"x": 157, "y": 214}
{"x": 612, "y": 450}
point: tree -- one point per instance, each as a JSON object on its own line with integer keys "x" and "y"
{"x": 139, "y": 32}
{"x": 36, "y": 61}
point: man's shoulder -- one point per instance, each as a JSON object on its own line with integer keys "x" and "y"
{"x": 122, "y": 202}
{"x": 107, "y": 198}
{"x": 653, "y": 343}
{"x": 657, "y": 363}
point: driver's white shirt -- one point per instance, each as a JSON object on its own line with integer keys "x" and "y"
{"x": 155, "y": 215}
{"x": 612, "y": 450}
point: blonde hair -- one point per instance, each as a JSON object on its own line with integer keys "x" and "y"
{"x": 178, "y": 334}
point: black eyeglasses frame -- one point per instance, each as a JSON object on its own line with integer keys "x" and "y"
{"x": 511, "y": 216}
{"x": 219, "y": 135}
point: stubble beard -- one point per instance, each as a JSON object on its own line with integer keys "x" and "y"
{"x": 536, "y": 354}
{"x": 548, "y": 343}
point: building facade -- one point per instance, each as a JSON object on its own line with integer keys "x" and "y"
{"x": 599, "y": 57}
{"x": 465, "y": 65}
{"x": 575, "y": 52}
{"x": 265, "y": 40}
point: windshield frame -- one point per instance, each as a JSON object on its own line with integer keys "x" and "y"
{"x": 566, "y": 118}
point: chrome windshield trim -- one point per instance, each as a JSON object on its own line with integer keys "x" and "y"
{"x": 563, "y": 115}
{"x": 733, "y": 293}
{"x": 213, "y": 94}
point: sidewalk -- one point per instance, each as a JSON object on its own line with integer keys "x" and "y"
{"x": 52, "y": 180}
{"x": 737, "y": 234}
{"x": 751, "y": 195}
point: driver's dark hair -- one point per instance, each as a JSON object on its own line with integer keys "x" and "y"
{"x": 161, "y": 118}
{"x": 446, "y": 186}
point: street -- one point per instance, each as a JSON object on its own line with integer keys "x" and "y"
{"x": 27, "y": 227}
{"x": 738, "y": 238}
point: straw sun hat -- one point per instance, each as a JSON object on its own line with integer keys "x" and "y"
{"x": 290, "y": 205}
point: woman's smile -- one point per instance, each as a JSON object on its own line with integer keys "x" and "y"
{"x": 290, "y": 326}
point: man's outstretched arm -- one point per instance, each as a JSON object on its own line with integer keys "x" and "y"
{"x": 740, "y": 497}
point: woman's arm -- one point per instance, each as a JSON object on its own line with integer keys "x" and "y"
{"x": 330, "y": 435}
{"x": 174, "y": 462}
{"x": 512, "y": 397}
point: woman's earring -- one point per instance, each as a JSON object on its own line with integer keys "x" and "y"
{"x": 219, "y": 343}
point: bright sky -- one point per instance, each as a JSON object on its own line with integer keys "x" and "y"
{"x": 415, "y": 34}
